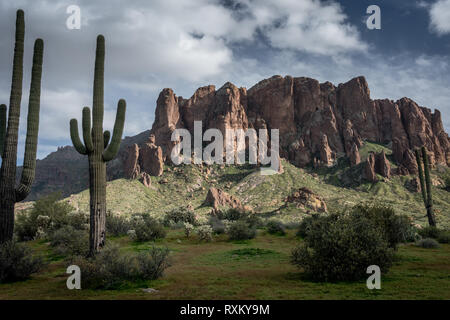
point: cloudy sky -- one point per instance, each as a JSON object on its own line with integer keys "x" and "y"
{"x": 185, "y": 44}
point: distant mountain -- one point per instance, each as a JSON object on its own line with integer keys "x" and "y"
{"x": 67, "y": 171}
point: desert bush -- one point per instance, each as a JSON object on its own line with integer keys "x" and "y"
{"x": 188, "y": 228}
{"x": 444, "y": 236}
{"x": 17, "y": 262}
{"x": 396, "y": 228}
{"x": 240, "y": 230}
{"x": 231, "y": 214}
{"x": 180, "y": 215}
{"x": 429, "y": 232}
{"x": 341, "y": 247}
{"x": 204, "y": 233}
{"x": 276, "y": 227}
{"x": 111, "y": 268}
{"x": 306, "y": 223}
{"x": 428, "y": 243}
{"x": 47, "y": 215}
{"x": 147, "y": 228}
{"x": 217, "y": 225}
{"x": 69, "y": 241}
{"x": 117, "y": 225}
{"x": 447, "y": 182}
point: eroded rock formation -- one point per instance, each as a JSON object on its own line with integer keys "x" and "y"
{"x": 315, "y": 120}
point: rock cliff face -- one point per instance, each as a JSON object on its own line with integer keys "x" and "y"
{"x": 318, "y": 122}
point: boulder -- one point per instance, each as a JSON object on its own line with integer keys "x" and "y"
{"x": 307, "y": 199}
{"x": 218, "y": 199}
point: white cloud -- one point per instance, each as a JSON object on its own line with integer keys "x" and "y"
{"x": 440, "y": 17}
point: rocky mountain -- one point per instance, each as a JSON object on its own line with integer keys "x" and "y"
{"x": 318, "y": 123}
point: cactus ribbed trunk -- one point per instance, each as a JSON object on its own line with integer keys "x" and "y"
{"x": 98, "y": 151}
{"x": 425, "y": 184}
{"x": 9, "y": 194}
{"x": 97, "y": 188}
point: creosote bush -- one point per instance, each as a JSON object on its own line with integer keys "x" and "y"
{"x": 188, "y": 229}
{"x": 112, "y": 269}
{"x": 17, "y": 262}
{"x": 428, "y": 243}
{"x": 204, "y": 233}
{"x": 47, "y": 214}
{"x": 340, "y": 247}
{"x": 241, "y": 230}
{"x": 69, "y": 241}
{"x": 147, "y": 228}
{"x": 429, "y": 232}
{"x": 276, "y": 227}
{"x": 396, "y": 228}
{"x": 117, "y": 225}
{"x": 180, "y": 215}
{"x": 218, "y": 226}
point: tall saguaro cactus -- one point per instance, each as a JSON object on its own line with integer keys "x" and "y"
{"x": 98, "y": 149}
{"x": 9, "y": 193}
{"x": 425, "y": 184}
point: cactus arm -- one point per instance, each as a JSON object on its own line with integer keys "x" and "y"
{"x": 29, "y": 163}
{"x": 2, "y": 128}
{"x": 86, "y": 124}
{"x": 426, "y": 167}
{"x": 421, "y": 178}
{"x": 113, "y": 147}
{"x": 98, "y": 105}
{"x": 76, "y": 138}
{"x": 9, "y": 156}
{"x": 106, "y": 137}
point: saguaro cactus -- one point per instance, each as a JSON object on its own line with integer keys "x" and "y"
{"x": 9, "y": 193}
{"x": 98, "y": 149}
{"x": 425, "y": 184}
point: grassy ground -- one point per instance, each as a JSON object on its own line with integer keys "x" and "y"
{"x": 254, "y": 269}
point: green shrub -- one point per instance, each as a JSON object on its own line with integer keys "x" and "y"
{"x": 231, "y": 214}
{"x": 305, "y": 225}
{"x": 276, "y": 227}
{"x": 204, "y": 233}
{"x": 218, "y": 227}
{"x": 188, "y": 228}
{"x": 428, "y": 243}
{"x": 447, "y": 182}
{"x": 111, "y": 268}
{"x": 429, "y": 232}
{"x": 444, "y": 237}
{"x": 69, "y": 241}
{"x": 396, "y": 228}
{"x": 17, "y": 262}
{"x": 180, "y": 215}
{"x": 147, "y": 228}
{"x": 341, "y": 247}
{"x": 240, "y": 230}
{"x": 47, "y": 214}
{"x": 117, "y": 225}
